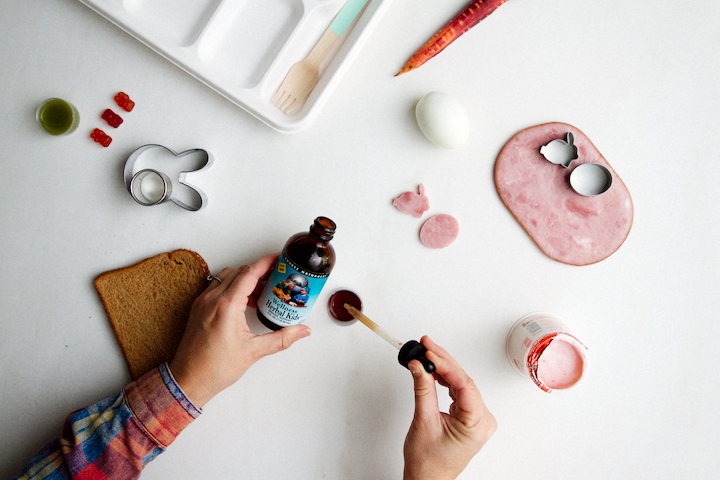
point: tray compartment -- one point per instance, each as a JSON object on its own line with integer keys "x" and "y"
{"x": 244, "y": 36}
{"x": 177, "y": 24}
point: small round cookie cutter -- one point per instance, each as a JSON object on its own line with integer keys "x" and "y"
{"x": 590, "y": 179}
{"x": 587, "y": 179}
{"x": 149, "y": 186}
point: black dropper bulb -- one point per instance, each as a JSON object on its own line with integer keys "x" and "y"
{"x": 414, "y": 350}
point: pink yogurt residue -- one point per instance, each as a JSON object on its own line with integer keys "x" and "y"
{"x": 560, "y": 365}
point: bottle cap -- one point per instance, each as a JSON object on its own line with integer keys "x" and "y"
{"x": 414, "y": 350}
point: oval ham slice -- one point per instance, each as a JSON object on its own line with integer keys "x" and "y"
{"x": 567, "y": 226}
{"x": 439, "y": 231}
{"x": 413, "y": 203}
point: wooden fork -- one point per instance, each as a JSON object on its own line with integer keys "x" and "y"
{"x": 304, "y": 75}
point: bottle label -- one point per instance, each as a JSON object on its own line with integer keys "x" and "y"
{"x": 290, "y": 293}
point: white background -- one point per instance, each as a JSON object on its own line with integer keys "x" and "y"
{"x": 640, "y": 79}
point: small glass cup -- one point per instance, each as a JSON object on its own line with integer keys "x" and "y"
{"x": 57, "y": 117}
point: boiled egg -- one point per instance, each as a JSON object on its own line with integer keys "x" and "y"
{"x": 442, "y": 120}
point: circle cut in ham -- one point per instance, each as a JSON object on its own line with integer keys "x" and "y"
{"x": 439, "y": 231}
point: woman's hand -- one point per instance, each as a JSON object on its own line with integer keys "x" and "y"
{"x": 218, "y": 347}
{"x": 440, "y": 445}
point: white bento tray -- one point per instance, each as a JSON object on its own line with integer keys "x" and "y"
{"x": 243, "y": 49}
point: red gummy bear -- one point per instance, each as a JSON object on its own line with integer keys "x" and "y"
{"x": 100, "y": 137}
{"x": 124, "y": 101}
{"x": 112, "y": 118}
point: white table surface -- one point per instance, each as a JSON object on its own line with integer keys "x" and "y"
{"x": 640, "y": 79}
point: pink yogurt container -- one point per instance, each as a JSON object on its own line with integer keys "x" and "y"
{"x": 542, "y": 347}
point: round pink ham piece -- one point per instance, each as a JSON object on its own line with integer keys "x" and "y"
{"x": 413, "y": 203}
{"x": 567, "y": 226}
{"x": 439, "y": 231}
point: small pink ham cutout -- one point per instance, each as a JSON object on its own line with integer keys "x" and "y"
{"x": 413, "y": 203}
{"x": 568, "y": 227}
{"x": 439, "y": 231}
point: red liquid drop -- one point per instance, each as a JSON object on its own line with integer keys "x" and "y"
{"x": 340, "y": 298}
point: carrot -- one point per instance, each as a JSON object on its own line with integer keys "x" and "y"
{"x": 464, "y": 21}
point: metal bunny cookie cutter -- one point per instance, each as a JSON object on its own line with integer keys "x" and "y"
{"x": 561, "y": 152}
{"x": 587, "y": 179}
{"x": 149, "y": 184}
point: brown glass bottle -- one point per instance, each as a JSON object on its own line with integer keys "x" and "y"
{"x": 298, "y": 276}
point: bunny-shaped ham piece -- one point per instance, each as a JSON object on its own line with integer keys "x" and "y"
{"x": 413, "y": 203}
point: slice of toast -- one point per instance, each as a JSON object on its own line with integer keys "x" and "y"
{"x": 149, "y": 303}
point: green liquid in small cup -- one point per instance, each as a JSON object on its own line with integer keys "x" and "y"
{"x": 57, "y": 117}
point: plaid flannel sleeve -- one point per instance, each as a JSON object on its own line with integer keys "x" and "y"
{"x": 116, "y": 437}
